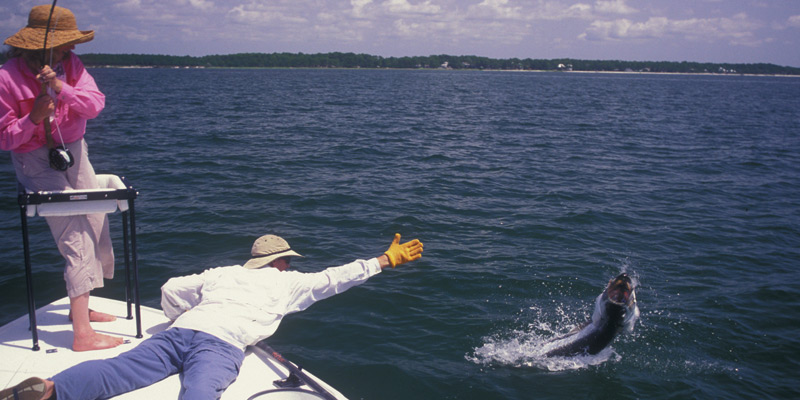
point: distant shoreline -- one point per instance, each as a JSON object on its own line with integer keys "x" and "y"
{"x": 338, "y": 60}
{"x": 432, "y": 62}
{"x": 443, "y": 70}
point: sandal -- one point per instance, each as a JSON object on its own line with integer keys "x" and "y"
{"x": 29, "y": 389}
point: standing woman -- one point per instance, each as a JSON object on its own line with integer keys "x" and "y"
{"x": 38, "y": 86}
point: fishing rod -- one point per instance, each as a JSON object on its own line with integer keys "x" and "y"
{"x": 60, "y": 157}
{"x": 46, "y": 32}
{"x": 296, "y": 375}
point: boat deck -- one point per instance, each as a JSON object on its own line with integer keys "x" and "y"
{"x": 257, "y": 374}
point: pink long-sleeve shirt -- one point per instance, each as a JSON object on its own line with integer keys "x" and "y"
{"x": 79, "y": 101}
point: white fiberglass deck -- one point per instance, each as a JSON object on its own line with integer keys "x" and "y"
{"x": 19, "y": 362}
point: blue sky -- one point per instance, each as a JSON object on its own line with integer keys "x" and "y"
{"x": 735, "y": 31}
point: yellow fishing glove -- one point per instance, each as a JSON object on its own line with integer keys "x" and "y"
{"x": 403, "y": 253}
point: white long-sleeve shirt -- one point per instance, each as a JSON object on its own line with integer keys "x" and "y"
{"x": 243, "y": 306}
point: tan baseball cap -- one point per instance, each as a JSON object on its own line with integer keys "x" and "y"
{"x": 267, "y": 249}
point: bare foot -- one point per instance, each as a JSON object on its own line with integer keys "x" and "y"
{"x": 97, "y": 316}
{"x": 95, "y": 341}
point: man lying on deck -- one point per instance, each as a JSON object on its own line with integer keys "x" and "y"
{"x": 216, "y": 315}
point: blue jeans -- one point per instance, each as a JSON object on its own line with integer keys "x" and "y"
{"x": 208, "y": 365}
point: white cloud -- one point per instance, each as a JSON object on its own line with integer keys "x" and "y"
{"x": 359, "y": 6}
{"x": 351, "y": 32}
{"x": 240, "y": 14}
{"x": 327, "y": 17}
{"x": 404, "y": 7}
{"x": 202, "y": 4}
{"x": 579, "y": 9}
{"x": 258, "y": 14}
{"x": 737, "y": 30}
{"x": 10, "y": 21}
{"x": 490, "y": 21}
{"x": 558, "y": 10}
{"x": 405, "y": 28}
{"x": 605, "y": 30}
{"x": 794, "y": 21}
{"x": 137, "y": 36}
{"x": 129, "y": 5}
{"x": 614, "y": 7}
{"x": 495, "y": 9}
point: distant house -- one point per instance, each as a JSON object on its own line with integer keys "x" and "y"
{"x": 567, "y": 67}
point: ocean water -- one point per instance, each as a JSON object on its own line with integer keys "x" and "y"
{"x": 529, "y": 190}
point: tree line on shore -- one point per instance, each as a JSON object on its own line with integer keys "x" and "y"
{"x": 352, "y": 60}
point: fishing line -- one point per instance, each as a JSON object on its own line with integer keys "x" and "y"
{"x": 60, "y": 157}
{"x": 51, "y": 91}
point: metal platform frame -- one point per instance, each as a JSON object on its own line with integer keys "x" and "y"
{"x": 26, "y": 198}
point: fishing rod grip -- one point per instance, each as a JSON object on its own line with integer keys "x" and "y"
{"x": 47, "y": 129}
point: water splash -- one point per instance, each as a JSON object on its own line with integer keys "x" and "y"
{"x": 527, "y": 348}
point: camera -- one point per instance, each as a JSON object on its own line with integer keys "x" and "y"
{"x": 61, "y": 158}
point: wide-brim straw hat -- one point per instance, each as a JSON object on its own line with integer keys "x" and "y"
{"x": 63, "y": 30}
{"x": 267, "y": 249}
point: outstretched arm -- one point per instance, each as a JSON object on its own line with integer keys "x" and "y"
{"x": 310, "y": 288}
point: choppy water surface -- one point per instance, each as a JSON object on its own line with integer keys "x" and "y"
{"x": 529, "y": 190}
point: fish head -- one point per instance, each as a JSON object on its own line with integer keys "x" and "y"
{"x": 620, "y": 291}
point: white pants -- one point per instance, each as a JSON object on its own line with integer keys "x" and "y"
{"x": 83, "y": 240}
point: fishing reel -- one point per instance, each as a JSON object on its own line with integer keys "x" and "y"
{"x": 61, "y": 158}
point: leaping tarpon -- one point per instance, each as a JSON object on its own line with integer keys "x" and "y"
{"x": 615, "y": 310}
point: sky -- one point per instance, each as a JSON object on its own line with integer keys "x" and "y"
{"x": 717, "y": 31}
